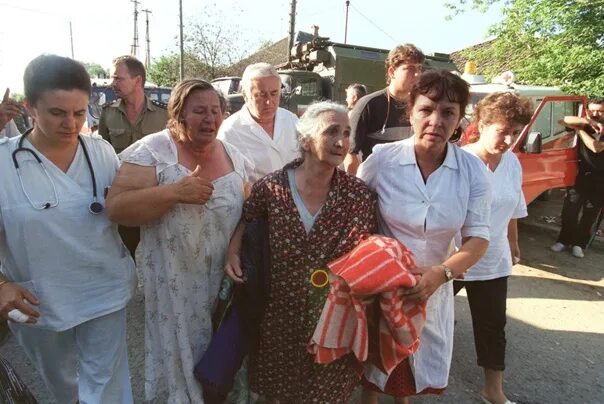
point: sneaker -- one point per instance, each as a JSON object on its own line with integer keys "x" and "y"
{"x": 557, "y": 247}
{"x": 578, "y": 251}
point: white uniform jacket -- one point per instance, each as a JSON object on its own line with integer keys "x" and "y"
{"x": 74, "y": 262}
{"x": 265, "y": 154}
{"x": 425, "y": 217}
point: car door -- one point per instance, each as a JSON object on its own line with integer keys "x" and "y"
{"x": 555, "y": 164}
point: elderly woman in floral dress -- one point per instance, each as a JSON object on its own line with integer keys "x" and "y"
{"x": 316, "y": 213}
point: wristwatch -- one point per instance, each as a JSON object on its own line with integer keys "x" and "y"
{"x": 448, "y": 272}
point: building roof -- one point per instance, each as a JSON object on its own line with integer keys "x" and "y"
{"x": 274, "y": 54}
{"x": 460, "y": 60}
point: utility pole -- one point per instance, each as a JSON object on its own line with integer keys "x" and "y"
{"x": 71, "y": 39}
{"x": 346, "y": 24}
{"x": 292, "y": 27}
{"x": 182, "y": 48}
{"x": 147, "y": 39}
{"x": 134, "y": 47}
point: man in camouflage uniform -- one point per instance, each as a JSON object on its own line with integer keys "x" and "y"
{"x": 132, "y": 115}
{"x": 129, "y": 118}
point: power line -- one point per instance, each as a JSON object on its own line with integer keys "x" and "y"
{"x": 374, "y": 24}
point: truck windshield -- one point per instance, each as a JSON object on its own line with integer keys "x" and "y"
{"x": 304, "y": 86}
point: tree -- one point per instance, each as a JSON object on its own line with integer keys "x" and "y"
{"x": 545, "y": 42}
{"x": 166, "y": 70}
{"x": 216, "y": 44}
{"x": 95, "y": 70}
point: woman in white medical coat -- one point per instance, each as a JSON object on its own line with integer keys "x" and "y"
{"x": 65, "y": 277}
{"x": 499, "y": 118}
{"x": 429, "y": 190}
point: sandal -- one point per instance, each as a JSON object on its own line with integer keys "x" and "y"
{"x": 485, "y": 401}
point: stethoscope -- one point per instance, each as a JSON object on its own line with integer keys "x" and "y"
{"x": 387, "y": 113}
{"x": 95, "y": 206}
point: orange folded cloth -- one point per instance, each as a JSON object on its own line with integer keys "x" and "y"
{"x": 379, "y": 266}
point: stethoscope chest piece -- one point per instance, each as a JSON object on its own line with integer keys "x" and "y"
{"x": 96, "y": 208}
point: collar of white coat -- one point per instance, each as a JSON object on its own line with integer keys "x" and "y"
{"x": 408, "y": 154}
{"x": 249, "y": 120}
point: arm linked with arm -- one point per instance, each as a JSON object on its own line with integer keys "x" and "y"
{"x": 136, "y": 198}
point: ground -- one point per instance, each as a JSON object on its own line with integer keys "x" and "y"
{"x": 555, "y": 327}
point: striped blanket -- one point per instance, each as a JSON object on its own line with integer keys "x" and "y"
{"x": 377, "y": 269}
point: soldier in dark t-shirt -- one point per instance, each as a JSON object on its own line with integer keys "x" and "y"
{"x": 381, "y": 117}
{"x": 585, "y": 200}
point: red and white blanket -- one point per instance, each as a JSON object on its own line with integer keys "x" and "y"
{"x": 378, "y": 267}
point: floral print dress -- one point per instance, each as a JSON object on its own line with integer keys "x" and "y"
{"x": 282, "y": 368}
{"x": 182, "y": 263}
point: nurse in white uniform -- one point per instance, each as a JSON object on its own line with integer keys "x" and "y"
{"x": 65, "y": 275}
{"x": 499, "y": 118}
{"x": 428, "y": 190}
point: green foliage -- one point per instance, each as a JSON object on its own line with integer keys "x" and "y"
{"x": 545, "y": 42}
{"x": 211, "y": 47}
{"x": 95, "y": 70}
{"x": 166, "y": 70}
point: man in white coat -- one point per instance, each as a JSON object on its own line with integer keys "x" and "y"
{"x": 263, "y": 132}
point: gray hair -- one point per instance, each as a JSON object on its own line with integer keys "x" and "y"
{"x": 256, "y": 71}
{"x": 308, "y": 125}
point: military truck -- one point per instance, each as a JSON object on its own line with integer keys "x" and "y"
{"x": 321, "y": 69}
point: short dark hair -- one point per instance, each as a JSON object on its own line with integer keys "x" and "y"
{"x": 359, "y": 89}
{"x": 135, "y": 67}
{"x": 503, "y": 107}
{"x": 407, "y": 53}
{"x": 597, "y": 100}
{"x": 439, "y": 84}
{"x": 52, "y": 72}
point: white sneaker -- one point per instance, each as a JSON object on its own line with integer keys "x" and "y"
{"x": 578, "y": 251}
{"x": 557, "y": 247}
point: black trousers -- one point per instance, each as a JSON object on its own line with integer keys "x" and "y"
{"x": 582, "y": 203}
{"x": 487, "y": 301}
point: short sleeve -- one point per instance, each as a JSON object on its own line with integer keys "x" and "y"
{"x": 156, "y": 150}
{"x": 369, "y": 169}
{"x": 521, "y": 210}
{"x": 140, "y": 154}
{"x": 478, "y": 215}
{"x": 257, "y": 204}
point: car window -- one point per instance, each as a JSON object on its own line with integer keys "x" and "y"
{"x": 554, "y": 135}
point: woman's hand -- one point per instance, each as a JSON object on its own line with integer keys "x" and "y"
{"x": 515, "y": 250}
{"x": 431, "y": 278}
{"x": 194, "y": 189}
{"x": 232, "y": 267}
{"x": 13, "y": 296}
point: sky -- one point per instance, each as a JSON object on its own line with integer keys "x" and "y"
{"x": 103, "y": 30}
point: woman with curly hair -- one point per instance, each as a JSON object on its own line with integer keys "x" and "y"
{"x": 499, "y": 119}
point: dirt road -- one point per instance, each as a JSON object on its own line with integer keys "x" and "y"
{"x": 555, "y": 330}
